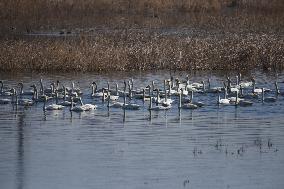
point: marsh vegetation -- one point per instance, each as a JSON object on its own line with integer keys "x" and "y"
{"x": 108, "y": 35}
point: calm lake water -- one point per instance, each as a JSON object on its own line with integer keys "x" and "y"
{"x": 210, "y": 147}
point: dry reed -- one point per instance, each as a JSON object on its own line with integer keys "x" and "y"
{"x": 138, "y": 51}
{"x": 227, "y": 35}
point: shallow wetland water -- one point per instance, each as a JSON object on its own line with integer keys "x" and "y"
{"x": 210, "y": 147}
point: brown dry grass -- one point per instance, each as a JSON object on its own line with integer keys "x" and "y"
{"x": 228, "y": 35}
{"x": 143, "y": 52}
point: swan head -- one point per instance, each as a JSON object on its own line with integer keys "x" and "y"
{"x": 253, "y": 80}
{"x": 13, "y": 91}
{"x": 187, "y": 77}
{"x": 33, "y": 86}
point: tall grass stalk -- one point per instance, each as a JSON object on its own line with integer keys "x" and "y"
{"x": 139, "y": 51}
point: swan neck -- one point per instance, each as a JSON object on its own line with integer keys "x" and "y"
{"x": 209, "y": 84}
{"x": 262, "y": 94}
{"x": 93, "y": 90}
{"x": 44, "y": 104}
{"x": 179, "y": 103}
{"x": 56, "y": 97}
{"x": 116, "y": 89}
{"x": 124, "y": 100}
{"x": 103, "y": 97}
{"x": 277, "y": 88}
{"x": 64, "y": 93}
{"x": 41, "y": 87}
{"x": 81, "y": 102}
{"x": 236, "y": 97}
{"x": 21, "y": 88}
{"x": 158, "y": 97}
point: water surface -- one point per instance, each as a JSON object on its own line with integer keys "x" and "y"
{"x": 210, "y": 147}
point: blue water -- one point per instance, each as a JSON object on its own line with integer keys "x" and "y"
{"x": 210, "y": 147}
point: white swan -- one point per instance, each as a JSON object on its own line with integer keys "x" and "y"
{"x": 22, "y": 92}
{"x": 223, "y": 101}
{"x": 267, "y": 99}
{"x": 240, "y": 101}
{"x": 51, "y": 106}
{"x": 164, "y": 101}
{"x": 87, "y": 106}
{"x": 277, "y": 90}
{"x": 109, "y": 96}
{"x": 245, "y": 103}
{"x": 95, "y": 92}
{"x": 83, "y": 107}
{"x": 7, "y": 91}
{"x": 5, "y": 101}
{"x": 21, "y": 102}
{"x": 40, "y": 98}
{"x": 65, "y": 103}
{"x": 243, "y": 84}
{"x": 258, "y": 90}
{"x": 157, "y": 108}
{"x": 116, "y": 105}
{"x": 212, "y": 89}
{"x": 198, "y": 85}
{"x": 130, "y": 106}
{"x": 77, "y": 90}
{"x": 197, "y": 103}
{"x": 246, "y": 84}
{"x": 186, "y": 105}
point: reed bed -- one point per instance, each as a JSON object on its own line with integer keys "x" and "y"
{"x": 140, "y": 51}
{"x": 227, "y": 35}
